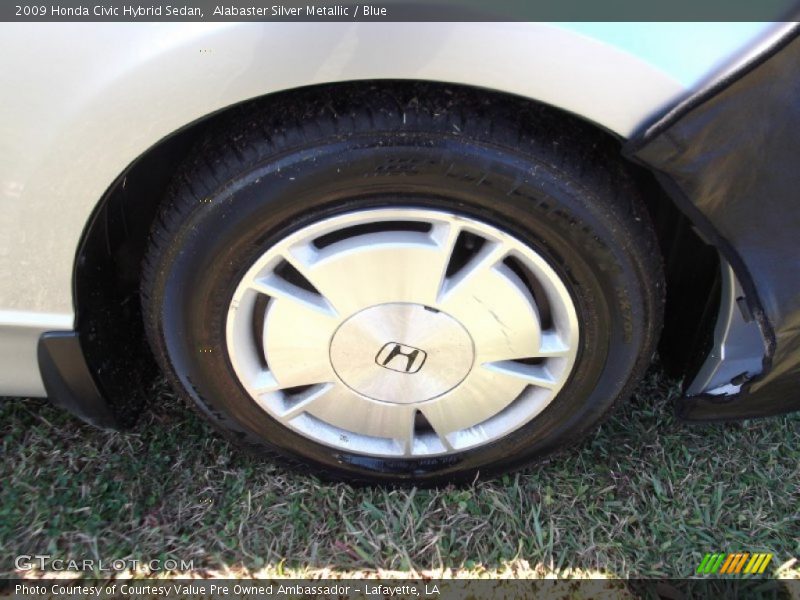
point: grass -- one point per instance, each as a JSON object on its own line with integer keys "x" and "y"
{"x": 646, "y": 496}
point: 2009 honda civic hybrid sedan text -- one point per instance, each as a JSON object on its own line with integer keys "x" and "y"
{"x": 400, "y": 252}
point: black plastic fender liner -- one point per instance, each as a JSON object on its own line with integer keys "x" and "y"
{"x": 69, "y": 382}
{"x": 730, "y": 158}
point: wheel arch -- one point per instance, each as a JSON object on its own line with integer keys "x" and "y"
{"x": 107, "y": 264}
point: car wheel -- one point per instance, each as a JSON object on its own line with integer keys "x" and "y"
{"x": 390, "y": 289}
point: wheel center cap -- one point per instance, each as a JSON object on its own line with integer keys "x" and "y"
{"x": 402, "y": 353}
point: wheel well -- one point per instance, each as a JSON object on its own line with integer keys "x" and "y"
{"x": 108, "y": 264}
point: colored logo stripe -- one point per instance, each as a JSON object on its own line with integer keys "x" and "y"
{"x": 733, "y": 564}
{"x": 758, "y": 564}
{"x": 710, "y": 563}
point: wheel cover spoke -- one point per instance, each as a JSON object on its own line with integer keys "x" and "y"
{"x": 402, "y": 332}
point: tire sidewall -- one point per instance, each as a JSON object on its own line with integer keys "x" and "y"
{"x": 564, "y": 222}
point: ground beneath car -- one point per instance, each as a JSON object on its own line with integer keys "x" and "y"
{"x": 645, "y": 496}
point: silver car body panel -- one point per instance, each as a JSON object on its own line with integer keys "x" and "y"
{"x": 736, "y": 355}
{"x": 82, "y": 101}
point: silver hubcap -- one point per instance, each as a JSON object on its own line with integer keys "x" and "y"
{"x": 402, "y": 332}
{"x": 417, "y": 337}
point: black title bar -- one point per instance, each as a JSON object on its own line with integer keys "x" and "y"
{"x": 399, "y": 10}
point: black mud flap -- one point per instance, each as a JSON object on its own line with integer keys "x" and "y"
{"x": 68, "y": 380}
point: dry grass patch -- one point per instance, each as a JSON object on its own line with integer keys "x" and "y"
{"x": 645, "y": 496}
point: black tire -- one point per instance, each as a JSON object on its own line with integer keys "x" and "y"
{"x": 547, "y": 178}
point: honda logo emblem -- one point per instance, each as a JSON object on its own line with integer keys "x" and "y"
{"x": 400, "y": 358}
